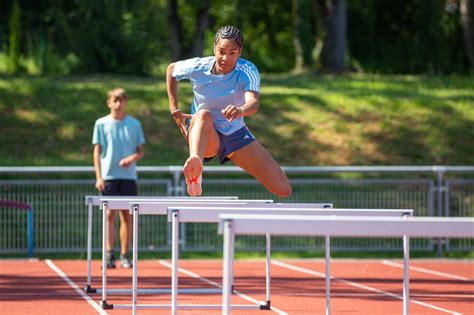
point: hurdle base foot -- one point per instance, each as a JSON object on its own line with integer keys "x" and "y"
{"x": 266, "y": 306}
{"x": 105, "y": 305}
{"x": 88, "y": 289}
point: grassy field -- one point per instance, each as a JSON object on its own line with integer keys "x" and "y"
{"x": 303, "y": 120}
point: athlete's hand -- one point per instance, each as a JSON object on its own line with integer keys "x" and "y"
{"x": 180, "y": 119}
{"x": 231, "y": 112}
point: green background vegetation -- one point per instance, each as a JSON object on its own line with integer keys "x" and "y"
{"x": 303, "y": 119}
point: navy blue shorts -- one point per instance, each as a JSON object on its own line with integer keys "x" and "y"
{"x": 120, "y": 187}
{"x": 230, "y": 143}
{"x": 233, "y": 142}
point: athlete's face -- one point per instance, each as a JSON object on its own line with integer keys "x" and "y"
{"x": 226, "y": 52}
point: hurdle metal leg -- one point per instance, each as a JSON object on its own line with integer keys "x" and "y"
{"x": 227, "y": 274}
{"x": 174, "y": 258}
{"x": 406, "y": 273}
{"x": 103, "y": 302}
{"x": 328, "y": 273}
{"x": 267, "y": 270}
{"x": 88, "y": 288}
{"x": 135, "y": 260}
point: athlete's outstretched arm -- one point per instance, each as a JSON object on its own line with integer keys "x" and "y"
{"x": 172, "y": 89}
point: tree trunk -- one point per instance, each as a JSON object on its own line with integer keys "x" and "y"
{"x": 466, "y": 9}
{"x": 299, "y": 59}
{"x": 334, "y": 48}
{"x": 202, "y": 23}
{"x": 175, "y": 30}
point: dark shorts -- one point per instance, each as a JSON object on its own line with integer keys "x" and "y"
{"x": 120, "y": 187}
{"x": 233, "y": 142}
{"x": 230, "y": 143}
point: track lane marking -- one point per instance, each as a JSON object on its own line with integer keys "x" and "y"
{"x": 360, "y": 286}
{"x": 196, "y": 276}
{"x": 73, "y": 285}
{"x": 428, "y": 271}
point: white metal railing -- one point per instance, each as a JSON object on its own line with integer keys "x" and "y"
{"x": 429, "y": 190}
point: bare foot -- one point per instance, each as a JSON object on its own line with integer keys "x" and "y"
{"x": 193, "y": 173}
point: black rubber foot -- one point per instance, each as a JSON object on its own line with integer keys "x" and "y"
{"x": 106, "y": 306}
{"x": 266, "y": 306}
{"x": 232, "y": 289}
{"x": 88, "y": 289}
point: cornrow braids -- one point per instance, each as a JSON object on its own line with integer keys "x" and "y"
{"x": 229, "y": 32}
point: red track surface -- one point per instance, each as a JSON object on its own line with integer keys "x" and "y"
{"x": 297, "y": 287}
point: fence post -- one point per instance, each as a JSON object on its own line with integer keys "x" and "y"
{"x": 30, "y": 232}
{"x": 439, "y": 185}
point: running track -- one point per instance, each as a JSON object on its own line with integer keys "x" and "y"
{"x": 298, "y": 286}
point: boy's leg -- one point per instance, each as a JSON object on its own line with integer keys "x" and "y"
{"x": 126, "y": 188}
{"x": 111, "y": 189}
{"x": 125, "y": 231}
{"x": 203, "y": 141}
{"x": 255, "y": 160}
{"x": 111, "y": 215}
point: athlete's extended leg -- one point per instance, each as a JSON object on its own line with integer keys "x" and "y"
{"x": 255, "y": 160}
{"x": 203, "y": 141}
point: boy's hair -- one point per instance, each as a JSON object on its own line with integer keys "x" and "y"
{"x": 117, "y": 92}
{"x": 229, "y": 32}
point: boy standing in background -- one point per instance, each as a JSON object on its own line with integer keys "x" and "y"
{"x": 118, "y": 144}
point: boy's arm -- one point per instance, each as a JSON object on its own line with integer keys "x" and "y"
{"x": 135, "y": 157}
{"x": 99, "y": 182}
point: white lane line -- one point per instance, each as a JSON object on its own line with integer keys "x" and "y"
{"x": 428, "y": 271}
{"x": 75, "y": 287}
{"x": 196, "y": 276}
{"x": 360, "y": 286}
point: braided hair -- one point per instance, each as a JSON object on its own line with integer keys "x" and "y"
{"x": 229, "y": 32}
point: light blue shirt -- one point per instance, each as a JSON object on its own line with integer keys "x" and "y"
{"x": 117, "y": 139}
{"x": 216, "y": 92}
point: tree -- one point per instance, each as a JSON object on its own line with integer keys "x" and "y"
{"x": 334, "y": 47}
{"x": 178, "y": 46}
{"x": 466, "y": 13}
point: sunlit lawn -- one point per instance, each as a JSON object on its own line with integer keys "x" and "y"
{"x": 303, "y": 120}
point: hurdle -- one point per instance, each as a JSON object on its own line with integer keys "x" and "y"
{"x": 95, "y": 201}
{"x": 162, "y": 204}
{"x": 349, "y": 226}
{"x": 195, "y": 214}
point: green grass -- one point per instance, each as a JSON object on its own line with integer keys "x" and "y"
{"x": 303, "y": 120}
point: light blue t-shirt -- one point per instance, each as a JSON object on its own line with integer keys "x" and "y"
{"x": 118, "y": 139}
{"x": 215, "y": 92}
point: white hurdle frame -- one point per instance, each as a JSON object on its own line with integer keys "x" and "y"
{"x": 299, "y": 209}
{"x": 195, "y": 214}
{"x": 95, "y": 201}
{"x": 161, "y": 208}
{"x": 349, "y": 226}
{"x": 161, "y": 205}
{"x": 200, "y": 214}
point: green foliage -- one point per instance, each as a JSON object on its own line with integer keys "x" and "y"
{"x": 303, "y": 119}
{"x": 413, "y": 36}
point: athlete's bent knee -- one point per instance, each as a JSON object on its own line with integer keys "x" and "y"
{"x": 204, "y": 115}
